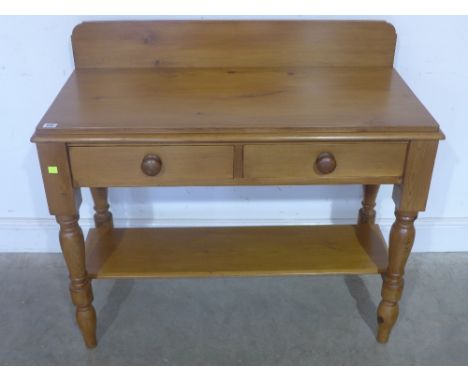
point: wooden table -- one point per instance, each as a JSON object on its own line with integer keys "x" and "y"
{"x": 230, "y": 103}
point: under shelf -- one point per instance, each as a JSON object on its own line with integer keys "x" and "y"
{"x": 235, "y": 251}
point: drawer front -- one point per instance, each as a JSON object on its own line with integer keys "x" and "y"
{"x": 326, "y": 162}
{"x": 96, "y": 166}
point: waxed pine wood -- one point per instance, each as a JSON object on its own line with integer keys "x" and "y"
{"x": 413, "y": 193}
{"x": 62, "y": 197}
{"x": 401, "y": 241}
{"x": 353, "y": 160}
{"x": 343, "y": 103}
{"x": 154, "y": 103}
{"x": 64, "y": 201}
{"x": 410, "y": 197}
{"x": 213, "y": 43}
{"x": 71, "y": 241}
{"x": 235, "y": 251}
{"x": 367, "y": 211}
{"x": 180, "y": 165}
{"x": 102, "y": 216}
{"x": 381, "y": 162}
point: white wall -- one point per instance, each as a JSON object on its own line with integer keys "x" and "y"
{"x": 36, "y": 59}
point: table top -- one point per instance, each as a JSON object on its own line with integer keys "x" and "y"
{"x": 233, "y": 80}
{"x": 217, "y": 100}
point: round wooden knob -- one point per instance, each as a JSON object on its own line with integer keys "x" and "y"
{"x": 151, "y": 165}
{"x": 325, "y": 163}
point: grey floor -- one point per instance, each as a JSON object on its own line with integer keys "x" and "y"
{"x": 323, "y": 320}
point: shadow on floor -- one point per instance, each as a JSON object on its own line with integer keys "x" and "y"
{"x": 366, "y": 308}
{"x": 109, "y": 312}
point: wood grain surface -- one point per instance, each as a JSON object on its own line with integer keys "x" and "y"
{"x": 155, "y": 103}
{"x": 100, "y": 166}
{"x": 229, "y": 251}
{"x": 210, "y": 43}
{"x": 353, "y": 160}
{"x": 262, "y": 101}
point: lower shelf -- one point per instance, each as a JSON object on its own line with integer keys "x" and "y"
{"x": 239, "y": 251}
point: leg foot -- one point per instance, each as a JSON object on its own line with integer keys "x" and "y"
{"x": 72, "y": 243}
{"x": 387, "y": 314}
{"x": 401, "y": 242}
{"x": 82, "y": 297}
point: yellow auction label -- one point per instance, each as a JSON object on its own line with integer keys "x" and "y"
{"x": 52, "y": 169}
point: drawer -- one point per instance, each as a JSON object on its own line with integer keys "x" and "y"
{"x": 96, "y": 166}
{"x": 326, "y": 162}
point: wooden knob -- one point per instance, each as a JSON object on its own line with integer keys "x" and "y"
{"x": 151, "y": 165}
{"x": 325, "y": 163}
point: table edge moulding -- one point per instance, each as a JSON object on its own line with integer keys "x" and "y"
{"x": 231, "y": 103}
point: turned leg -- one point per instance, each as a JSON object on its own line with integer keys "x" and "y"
{"x": 367, "y": 212}
{"x": 401, "y": 242}
{"x": 102, "y": 217}
{"x": 72, "y": 243}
